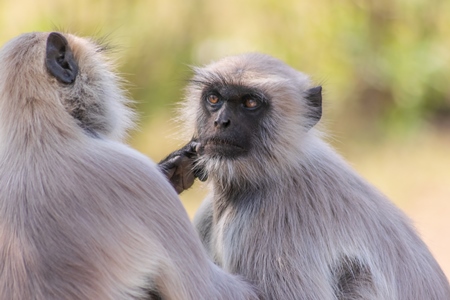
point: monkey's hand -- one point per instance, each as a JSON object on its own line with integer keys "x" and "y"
{"x": 179, "y": 167}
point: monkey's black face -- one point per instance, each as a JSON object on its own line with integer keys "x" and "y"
{"x": 232, "y": 116}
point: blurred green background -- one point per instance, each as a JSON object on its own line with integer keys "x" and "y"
{"x": 384, "y": 66}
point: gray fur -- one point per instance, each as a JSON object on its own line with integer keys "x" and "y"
{"x": 291, "y": 216}
{"x": 82, "y": 215}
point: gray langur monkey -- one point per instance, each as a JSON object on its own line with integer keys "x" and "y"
{"x": 82, "y": 215}
{"x": 285, "y": 211}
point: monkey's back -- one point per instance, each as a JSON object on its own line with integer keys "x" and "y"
{"x": 74, "y": 225}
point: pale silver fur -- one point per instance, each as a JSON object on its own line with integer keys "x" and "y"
{"x": 292, "y": 216}
{"x": 82, "y": 215}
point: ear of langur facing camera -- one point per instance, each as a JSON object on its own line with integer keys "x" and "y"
{"x": 284, "y": 210}
{"x": 82, "y": 215}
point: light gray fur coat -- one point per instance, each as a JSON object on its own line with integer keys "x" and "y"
{"x": 83, "y": 216}
{"x": 291, "y": 216}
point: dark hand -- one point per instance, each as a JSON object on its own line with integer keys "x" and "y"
{"x": 179, "y": 169}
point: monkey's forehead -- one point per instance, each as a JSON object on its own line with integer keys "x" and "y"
{"x": 255, "y": 80}
{"x": 252, "y": 62}
{"x": 254, "y": 69}
{"x": 264, "y": 81}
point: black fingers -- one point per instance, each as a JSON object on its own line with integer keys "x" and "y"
{"x": 180, "y": 169}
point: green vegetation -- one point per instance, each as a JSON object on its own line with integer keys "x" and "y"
{"x": 385, "y": 64}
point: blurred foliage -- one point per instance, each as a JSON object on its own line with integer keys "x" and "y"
{"x": 385, "y": 65}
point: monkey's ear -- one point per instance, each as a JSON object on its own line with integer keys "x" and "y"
{"x": 314, "y": 99}
{"x": 59, "y": 59}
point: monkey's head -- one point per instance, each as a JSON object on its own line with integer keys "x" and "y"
{"x": 60, "y": 72}
{"x": 251, "y": 114}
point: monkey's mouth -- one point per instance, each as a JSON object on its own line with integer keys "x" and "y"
{"x": 223, "y": 147}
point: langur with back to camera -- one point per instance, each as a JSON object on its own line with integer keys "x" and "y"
{"x": 284, "y": 210}
{"x": 82, "y": 215}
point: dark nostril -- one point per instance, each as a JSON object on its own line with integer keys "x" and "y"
{"x": 222, "y": 123}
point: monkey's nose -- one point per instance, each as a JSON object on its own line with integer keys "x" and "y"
{"x": 224, "y": 123}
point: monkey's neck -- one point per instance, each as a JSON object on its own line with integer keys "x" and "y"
{"x": 34, "y": 125}
{"x": 308, "y": 179}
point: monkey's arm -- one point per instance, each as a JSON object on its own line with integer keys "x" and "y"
{"x": 179, "y": 168}
{"x": 203, "y": 223}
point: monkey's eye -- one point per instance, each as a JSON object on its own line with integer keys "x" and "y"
{"x": 213, "y": 99}
{"x": 250, "y": 103}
